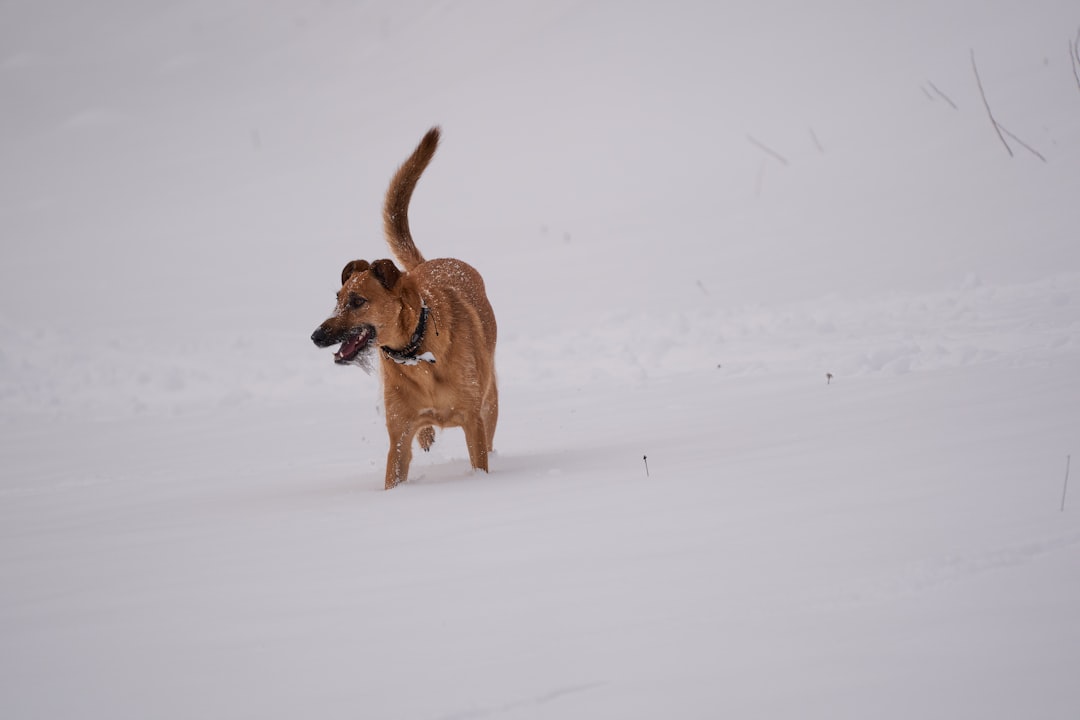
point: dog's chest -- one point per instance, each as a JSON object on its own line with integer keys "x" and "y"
{"x": 419, "y": 392}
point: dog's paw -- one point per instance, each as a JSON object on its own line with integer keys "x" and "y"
{"x": 426, "y": 438}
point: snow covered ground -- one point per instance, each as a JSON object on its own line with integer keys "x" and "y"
{"x": 687, "y": 216}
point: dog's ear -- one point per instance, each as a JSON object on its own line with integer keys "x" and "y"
{"x": 386, "y": 272}
{"x": 353, "y": 267}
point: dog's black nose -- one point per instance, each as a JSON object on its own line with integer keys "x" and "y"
{"x": 321, "y": 337}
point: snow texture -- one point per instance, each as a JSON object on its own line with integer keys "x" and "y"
{"x": 778, "y": 248}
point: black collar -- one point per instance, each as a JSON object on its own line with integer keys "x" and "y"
{"x": 407, "y": 355}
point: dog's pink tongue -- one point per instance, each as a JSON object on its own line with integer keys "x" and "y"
{"x": 348, "y": 349}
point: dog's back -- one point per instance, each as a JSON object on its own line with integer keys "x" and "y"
{"x": 454, "y": 289}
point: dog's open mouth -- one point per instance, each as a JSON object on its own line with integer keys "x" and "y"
{"x": 355, "y": 344}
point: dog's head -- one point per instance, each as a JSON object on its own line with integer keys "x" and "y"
{"x": 368, "y": 305}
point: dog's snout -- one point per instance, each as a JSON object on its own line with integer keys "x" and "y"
{"x": 321, "y": 337}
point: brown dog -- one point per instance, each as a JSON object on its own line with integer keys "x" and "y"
{"x": 434, "y": 330}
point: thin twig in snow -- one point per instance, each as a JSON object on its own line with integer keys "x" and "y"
{"x": 817, "y": 143}
{"x": 767, "y": 149}
{"x": 997, "y": 128}
{"x": 944, "y": 97}
{"x": 926, "y": 93}
{"x": 1074, "y": 57}
{"x": 1027, "y": 147}
{"x": 1065, "y": 491}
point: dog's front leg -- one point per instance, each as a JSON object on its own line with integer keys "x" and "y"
{"x": 400, "y": 455}
{"x": 426, "y": 438}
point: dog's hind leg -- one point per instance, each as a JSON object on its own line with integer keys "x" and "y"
{"x": 476, "y": 438}
{"x": 489, "y": 411}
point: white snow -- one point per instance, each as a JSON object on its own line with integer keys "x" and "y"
{"x": 687, "y": 216}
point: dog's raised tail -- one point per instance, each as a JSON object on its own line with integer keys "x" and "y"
{"x": 396, "y": 209}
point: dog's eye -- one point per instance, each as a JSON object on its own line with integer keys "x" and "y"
{"x": 356, "y": 302}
